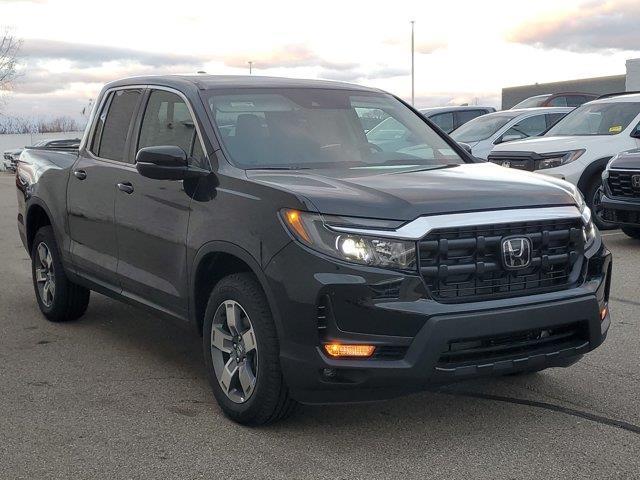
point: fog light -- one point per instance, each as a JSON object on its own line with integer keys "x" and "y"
{"x": 603, "y": 312}
{"x": 329, "y": 372}
{"x": 339, "y": 350}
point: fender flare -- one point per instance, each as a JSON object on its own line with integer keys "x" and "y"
{"x": 37, "y": 202}
{"x": 593, "y": 168}
{"x": 220, "y": 246}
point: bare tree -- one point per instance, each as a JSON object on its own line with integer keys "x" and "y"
{"x": 9, "y": 47}
{"x": 30, "y": 125}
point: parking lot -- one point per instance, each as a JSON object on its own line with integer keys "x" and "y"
{"x": 120, "y": 394}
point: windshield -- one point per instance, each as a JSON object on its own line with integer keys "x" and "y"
{"x": 299, "y": 128}
{"x": 481, "y": 128}
{"x": 597, "y": 119}
{"x": 531, "y": 102}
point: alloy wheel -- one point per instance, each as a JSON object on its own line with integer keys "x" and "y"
{"x": 45, "y": 275}
{"x": 234, "y": 351}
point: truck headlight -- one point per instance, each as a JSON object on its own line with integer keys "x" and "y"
{"x": 605, "y": 172}
{"x": 557, "y": 160}
{"x": 589, "y": 229}
{"x": 310, "y": 229}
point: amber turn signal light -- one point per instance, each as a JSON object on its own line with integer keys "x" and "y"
{"x": 603, "y": 312}
{"x": 292, "y": 217}
{"x": 338, "y": 350}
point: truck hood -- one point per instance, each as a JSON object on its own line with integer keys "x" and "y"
{"x": 627, "y": 160}
{"x": 552, "y": 144}
{"x": 405, "y": 194}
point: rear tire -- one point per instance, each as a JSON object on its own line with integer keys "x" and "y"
{"x": 59, "y": 299}
{"x": 633, "y": 232}
{"x": 242, "y": 356}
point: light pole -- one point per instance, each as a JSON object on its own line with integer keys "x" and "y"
{"x": 250, "y": 67}
{"x": 412, "y": 65}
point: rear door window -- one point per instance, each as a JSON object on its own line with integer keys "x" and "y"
{"x": 553, "y": 118}
{"x": 113, "y": 125}
{"x": 463, "y": 116}
{"x": 528, "y": 127}
{"x": 558, "y": 102}
{"x": 575, "y": 100}
{"x": 444, "y": 121}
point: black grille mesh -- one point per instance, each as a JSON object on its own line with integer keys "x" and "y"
{"x": 465, "y": 264}
{"x": 620, "y": 184}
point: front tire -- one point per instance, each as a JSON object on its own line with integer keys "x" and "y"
{"x": 593, "y": 199}
{"x": 241, "y": 352}
{"x": 59, "y": 299}
{"x": 633, "y": 232}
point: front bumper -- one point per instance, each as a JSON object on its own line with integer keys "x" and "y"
{"x": 414, "y": 335}
{"x": 623, "y": 212}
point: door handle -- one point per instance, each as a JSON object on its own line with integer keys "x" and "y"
{"x": 80, "y": 174}
{"x": 125, "y": 187}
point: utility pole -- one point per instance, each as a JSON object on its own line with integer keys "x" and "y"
{"x": 412, "y": 64}
{"x": 250, "y": 67}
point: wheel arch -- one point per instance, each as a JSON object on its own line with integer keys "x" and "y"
{"x": 595, "y": 167}
{"x": 214, "y": 261}
{"x": 38, "y": 216}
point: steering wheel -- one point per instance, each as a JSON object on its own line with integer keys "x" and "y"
{"x": 375, "y": 148}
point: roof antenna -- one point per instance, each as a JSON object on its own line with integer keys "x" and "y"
{"x": 201, "y": 72}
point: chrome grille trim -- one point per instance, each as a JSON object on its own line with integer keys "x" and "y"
{"x": 422, "y": 226}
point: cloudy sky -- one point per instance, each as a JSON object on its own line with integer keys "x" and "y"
{"x": 466, "y": 51}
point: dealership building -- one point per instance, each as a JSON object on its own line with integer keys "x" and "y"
{"x": 599, "y": 86}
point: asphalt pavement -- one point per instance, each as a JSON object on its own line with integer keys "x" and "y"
{"x": 121, "y": 394}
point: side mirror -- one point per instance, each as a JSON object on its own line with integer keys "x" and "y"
{"x": 165, "y": 162}
{"x": 636, "y": 132}
{"x": 466, "y": 147}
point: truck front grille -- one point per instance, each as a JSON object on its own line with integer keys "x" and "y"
{"x": 621, "y": 185}
{"x": 466, "y": 264}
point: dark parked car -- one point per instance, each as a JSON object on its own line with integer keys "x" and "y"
{"x": 318, "y": 265}
{"x": 450, "y": 118}
{"x": 566, "y": 99}
{"x": 620, "y": 200}
{"x": 12, "y": 157}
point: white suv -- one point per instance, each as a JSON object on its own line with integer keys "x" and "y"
{"x": 579, "y": 146}
{"x": 483, "y": 133}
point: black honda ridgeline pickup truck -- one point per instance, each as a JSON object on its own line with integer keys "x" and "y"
{"x": 620, "y": 194}
{"x": 322, "y": 259}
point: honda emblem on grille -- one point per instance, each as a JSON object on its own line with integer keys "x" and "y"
{"x": 635, "y": 182}
{"x": 516, "y": 252}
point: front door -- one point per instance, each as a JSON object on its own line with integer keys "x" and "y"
{"x": 152, "y": 216}
{"x": 91, "y": 190}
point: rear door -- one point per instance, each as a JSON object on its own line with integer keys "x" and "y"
{"x": 152, "y": 216}
{"x": 92, "y": 188}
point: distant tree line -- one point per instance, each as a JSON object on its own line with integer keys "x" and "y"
{"x": 29, "y": 125}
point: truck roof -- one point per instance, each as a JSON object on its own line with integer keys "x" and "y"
{"x": 206, "y": 82}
